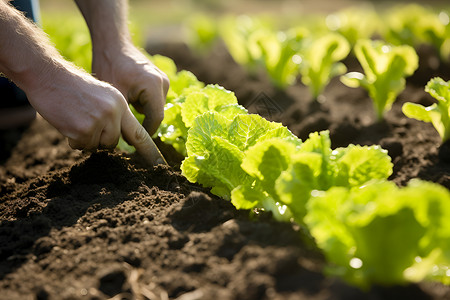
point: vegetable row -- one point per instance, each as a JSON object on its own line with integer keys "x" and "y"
{"x": 313, "y": 48}
{"x": 370, "y": 230}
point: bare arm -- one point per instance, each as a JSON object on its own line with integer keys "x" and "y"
{"x": 117, "y": 61}
{"x": 91, "y": 113}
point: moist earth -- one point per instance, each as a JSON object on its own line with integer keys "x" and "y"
{"x": 104, "y": 225}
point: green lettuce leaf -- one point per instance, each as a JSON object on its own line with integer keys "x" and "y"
{"x": 385, "y": 68}
{"x": 381, "y": 234}
{"x": 357, "y": 165}
{"x": 321, "y": 61}
{"x": 438, "y": 113}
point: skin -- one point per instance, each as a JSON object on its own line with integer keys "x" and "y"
{"x": 92, "y": 112}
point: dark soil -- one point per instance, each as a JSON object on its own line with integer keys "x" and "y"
{"x": 103, "y": 225}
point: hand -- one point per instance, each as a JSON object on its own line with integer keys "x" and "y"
{"x": 91, "y": 113}
{"x": 138, "y": 79}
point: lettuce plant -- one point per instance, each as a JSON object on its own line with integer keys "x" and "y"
{"x": 179, "y": 115}
{"x": 354, "y": 23}
{"x": 385, "y": 69}
{"x": 438, "y": 113}
{"x": 280, "y": 54}
{"x": 371, "y": 231}
{"x": 289, "y": 174}
{"x": 241, "y": 36}
{"x": 254, "y": 44}
{"x": 321, "y": 61}
{"x": 260, "y": 164}
{"x": 415, "y": 24}
{"x": 217, "y": 146}
{"x": 382, "y": 234}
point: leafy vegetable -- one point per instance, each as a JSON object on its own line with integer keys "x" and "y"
{"x": 381, "y": 234}
{"x": 280, "y": 53}
{"x": 354, "y": 23}
{"x": 415, "y": 24}
{"x": 317, "y": 167}
{"x": 321, "y": 61}
{"x": 241, "y": 36}
{"x": 182, "y": 111}
{"x": 438, "y": 113}
{"x": 265, "y": 166}
{"x": 370, "y": 231}
{"x": 255, "y": 44}
{"x": 385, "y": 69}
{"x": 217, "y": 145}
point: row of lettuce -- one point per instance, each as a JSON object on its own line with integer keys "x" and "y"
{"x": 384, "y": 44}
{"x": 370, "y": 230}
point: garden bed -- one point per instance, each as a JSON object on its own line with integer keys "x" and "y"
{"x": 75, "y": 225}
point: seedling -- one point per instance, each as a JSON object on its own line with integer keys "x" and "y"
{"x": 354, "y": 23}
{"x": 415, "y": 24}
{"x": 241, "y": 36}
{"x": 438, "y": 113}
{"x": 381, "y": 234}
{"x": 385, "y": 69}
{"x": 321, "y": 61}
{"x": 280, "y": 54}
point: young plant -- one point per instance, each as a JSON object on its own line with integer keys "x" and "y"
{"x": 217, "y": 146}
{"x": 381, "y": 234}
{"x": 385, "y": 69}
{"x": 180, "y": 112}
{"x": 241, "y": 35}
{"x": 280, "y": 54}
{"x": 260, "y": 164}
{"x": 321, "y": 61}
{"x": 289, "y": 174}
{"x": 414, "y": 24}
{"x": 438, "y": 113}
{"x": 354, "y": 23}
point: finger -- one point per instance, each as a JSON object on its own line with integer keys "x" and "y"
{"x": 76, "y": 145}
{"x": 150, "y": 102}
{"x": 135, "y": 135}
{"x": 86, "y": 143}
{"x": 94, "y": 141}
{"x": 110, "y": 135}
{"x": 109, "y": 144}
{"x": 152, "y": 121}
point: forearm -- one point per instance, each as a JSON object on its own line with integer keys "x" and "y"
{"x": 26, "y": 55}
{"x": 107, "y": 22}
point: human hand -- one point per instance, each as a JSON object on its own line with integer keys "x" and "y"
{"x": 139, "y": 80}
{"x": 90, "y": 113}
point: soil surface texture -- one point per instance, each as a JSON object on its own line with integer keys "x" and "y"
{"x": 104, "y": 225}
